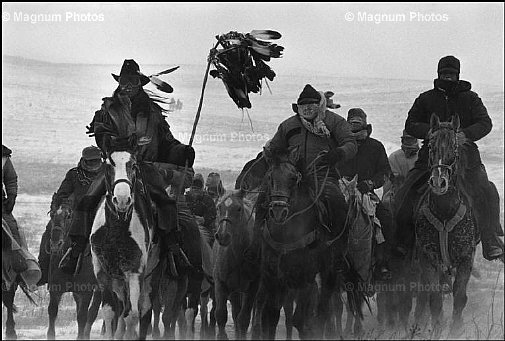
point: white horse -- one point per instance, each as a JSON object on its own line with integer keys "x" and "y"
{"x": 121, "y": 247}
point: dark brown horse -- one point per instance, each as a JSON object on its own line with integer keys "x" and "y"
{"x": 82, "y": 285}
{"x": 295, "y": 248}
{"x": 231, "y": 278}
{"x": 445, "y": 229}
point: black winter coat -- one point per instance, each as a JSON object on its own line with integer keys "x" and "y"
{"x": 474, "y": 119}
{"x": 370, "y": 163}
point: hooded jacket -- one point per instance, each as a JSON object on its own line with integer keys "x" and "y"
{"x": 474, "y": 119}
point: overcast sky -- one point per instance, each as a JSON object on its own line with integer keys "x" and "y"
{"x": 341, "y": 39}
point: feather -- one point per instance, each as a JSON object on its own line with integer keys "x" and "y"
{"x": 165, "y": 72}
{"x": 265, "y": 34}
{"x": 161, "y": 85}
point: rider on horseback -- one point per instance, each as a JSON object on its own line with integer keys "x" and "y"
{"x": 203, "y": 207}
{"x": 317, "y": 133}
{"x": 372, "y": 167}
{"x": 9, "y": 194}
{"x": 73, "y": 187}
{"x": 131, "y": 118}
{"x": 451, "y": 96}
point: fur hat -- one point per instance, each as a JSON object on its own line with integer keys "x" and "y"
{"x": 131, "y": 68}
{"x": 309, "y": 95}
{"x": 356, "y": 115}
{"x": 448, "y": 63}
{"x": 91, "y": 153}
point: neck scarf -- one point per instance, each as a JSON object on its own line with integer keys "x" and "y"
{"x": 317, "y": 126}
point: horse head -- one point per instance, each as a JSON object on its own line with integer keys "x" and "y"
{"x": 233, "y": 217}
{"x": 348, "y": 187}
{"x": 443, "y": 154}
{"x": 60, "y": 224}
{"x": 120, "y": 178}
{"x": 283, "y": 178}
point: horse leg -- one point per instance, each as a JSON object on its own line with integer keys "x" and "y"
{"x": 92, "y": 312}
{"x": 339, "y": 310}
{"x": 156, "y": 317}
{"x": 244, "y": 317}
{"x": 145, "y": 323}
{"x": 235, "y": 300}
{"x": 8, "y": 301}
{"x": 288, "y": 313}
{"x": 435, "y": 298}
{"x": 181, "y": 318}
{"x": 52, "y": 310}
{"x": 221, "y": 309}
{"x": 463, "y": 273}
{"x": 323, "y": 306}
{"x": 271, "y": 313}
{"x": 204, "y": 326}
{"x": 133, "y": 318}
{"x": 257, "y": 311}
{"x": 191, "y": 313}
{"x": 82, "y": 301}
{"x": 404, "y": 307}
{"x": 349, "y": 318}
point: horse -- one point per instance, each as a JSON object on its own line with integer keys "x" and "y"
{"x": 295, "y": 247}
{"x": 123, "y": 253}
{"x": 231, "y": 277}
{"x": 83, "y": 285}
{"x": 446, "y": 234}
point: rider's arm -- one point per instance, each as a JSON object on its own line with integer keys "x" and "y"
{"x": 278, "y": 142}
{"x": 382, "y": 167}
{"x": 10, "y": 179}
{"x": 481, "y": 122}
{"x": 341, "y": 132}
{"x": 65, "y": 191}
{"x": 415, "y": 124}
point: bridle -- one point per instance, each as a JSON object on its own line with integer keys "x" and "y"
{"x": 121, "y": 216}
{"x": 63, "y": 234}
{"x": 451, "y": 168}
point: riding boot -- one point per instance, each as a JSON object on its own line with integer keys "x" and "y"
{"x": 79, "y": 234}
{"x": 381, "y": 270}
{"x": 44, "y": 258}
{"x": 405, "y": 232}
{"x": 70, "y": 262}
{"x": 482, "y": 194}
{"x": 18, "y": 261}
{"x": 190, "y": 234}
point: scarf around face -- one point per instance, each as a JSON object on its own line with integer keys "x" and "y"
{"x": 317, "y": 126}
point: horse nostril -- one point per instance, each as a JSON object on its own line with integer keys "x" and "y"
{"x": 114, "y": 201}
{"x": 216, "y": 236}
{"x": 128, "y": 202}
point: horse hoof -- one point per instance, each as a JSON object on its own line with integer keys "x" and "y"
{"x": 456, "y": 330}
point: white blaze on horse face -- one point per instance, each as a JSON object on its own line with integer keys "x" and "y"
{"x": 122, "y": 196}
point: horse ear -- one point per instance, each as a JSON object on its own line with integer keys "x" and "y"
{"x": 354, "y": 180}
{"x": 434, "y": 121}
{"x": 455, "y": 122}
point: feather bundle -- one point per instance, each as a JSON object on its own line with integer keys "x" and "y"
{"x": 241, "y": 62}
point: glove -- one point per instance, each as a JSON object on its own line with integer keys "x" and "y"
{"x": 461, "y": 137}
{"x": 8, "y": 204}
{"x": 189, "y": 153}
{"x": 365, "y": 186}
{"x": 333, "y": 156}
